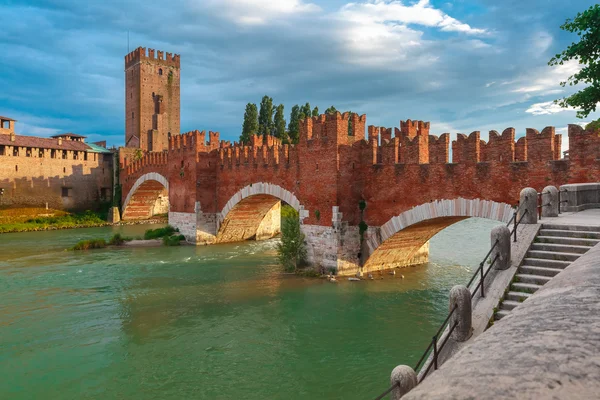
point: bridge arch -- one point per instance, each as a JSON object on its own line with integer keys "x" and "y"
{"x": 146, "y": 196}
{"x": 403, "y": 239}
{"x": 253, "y": 212}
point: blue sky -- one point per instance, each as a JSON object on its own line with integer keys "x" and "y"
{"x": 463, "y": 65}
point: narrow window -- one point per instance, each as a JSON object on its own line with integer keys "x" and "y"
{"x": 317, "y": 166}
{"x": 66, "y": 192}
{"x": 2, "y": 150}
{"x": 16, "y": 168}
{"x": 41, "y": 153}
{"x": 15, "y": 151}
{"x": 132, "y": 115}
{"x": 52, "y": 153}
{"x": 85, "y": 156}
{"x": 160, "y": 72}
{"x": 64, "y": 170}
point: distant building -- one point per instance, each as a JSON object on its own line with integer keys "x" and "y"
{"x": 62, "y": 172}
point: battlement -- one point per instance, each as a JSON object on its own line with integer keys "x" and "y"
{"x": 140, "y": 54}
{"x": 195, "y": 141}
{"x": 332, "y": 128}
{"x": 266, "y": 151}
{"x": 414, "y": 128}
{"x": 148, "y": 160}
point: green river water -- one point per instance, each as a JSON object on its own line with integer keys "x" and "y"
{"x": 210, "y": 322}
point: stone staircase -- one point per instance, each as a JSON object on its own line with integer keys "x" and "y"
{"x": 555, "y": 247}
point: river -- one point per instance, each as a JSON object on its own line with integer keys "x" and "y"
{"x": 211, "y": 322}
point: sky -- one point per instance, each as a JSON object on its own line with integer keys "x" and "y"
{"x": 464, "y": 65}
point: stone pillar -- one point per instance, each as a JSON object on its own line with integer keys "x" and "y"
{"x": 113, "y": 215}
{"x": 460, "y": 296}
{"x": 550, "y": 202}
{"x": 405, "y": 379}
{"x": 502, "y": 249}
{"x": 528, "y": 206}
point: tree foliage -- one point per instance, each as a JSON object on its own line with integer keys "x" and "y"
{"x": 315, "y": 112}
{"x": 306, "y": 110}
{"x": 293, "y": 130}
{"x": 291, "y": 249}
{"x": 587, "y": 51}
{"x": 265, "y": 116}
{"x": 331, "y": 110}
{"x": 250, "y": 125}
{"x": 280, "y": 124}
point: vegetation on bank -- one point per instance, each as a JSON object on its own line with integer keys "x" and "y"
{"x": 169, "y": 238}
{"x": 160, "y": 232}
{"x": 38, "y": 219}
{"x": 291, "y": 250}
{"x": 90, "y": 244}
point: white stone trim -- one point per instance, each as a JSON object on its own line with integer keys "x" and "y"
{"x": 442, "y": 208}
{"x": 261, "y": 188}
{"x": 151, "y": 176}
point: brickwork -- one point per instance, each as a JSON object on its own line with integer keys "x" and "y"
{"x": 328, "y": 173}
{"x": 152, "y": 99}
{"x": 59, "y": 173}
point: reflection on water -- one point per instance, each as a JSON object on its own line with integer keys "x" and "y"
{"x": 214, "y": 322}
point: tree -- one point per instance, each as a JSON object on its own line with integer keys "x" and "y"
{"x": 315, "y": 112}
{"x": 250, "y": 125}
{"x": 293, "y": 130}
{"x": 331, "y": 110}
{"x": 291, "y": 249}
{"x": 587, "y": 51}
{"x": 280, "y": 124}
{"x": 265, "y": 116}
{"x": 306, "y": 111}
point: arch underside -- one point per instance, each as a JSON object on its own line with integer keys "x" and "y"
{"x": 149, "y": 198}
{"x": 256, "y": 217}
{"x": 409, "y": 246}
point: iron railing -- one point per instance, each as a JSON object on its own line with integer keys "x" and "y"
{"x": 480, "y": 285}
{"x": 561, "y": 201}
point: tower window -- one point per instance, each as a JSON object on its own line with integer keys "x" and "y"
{"x": 132, "y": 115}
{"x": 160, "y": 72}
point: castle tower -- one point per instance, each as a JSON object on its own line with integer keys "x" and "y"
{"x": 151, "y": 99}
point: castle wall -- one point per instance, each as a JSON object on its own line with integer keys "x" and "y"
{"x": 33, "y": 179}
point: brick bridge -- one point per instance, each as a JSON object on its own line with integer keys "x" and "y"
{"x": 218, "y": 192}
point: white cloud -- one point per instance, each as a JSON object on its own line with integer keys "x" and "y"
{"x": 395, "y": 12}
{"x": 257, "y": 12}
{"x": 546, "y": 108}
{"x": 545, "y": 80}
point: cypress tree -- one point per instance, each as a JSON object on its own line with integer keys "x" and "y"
{"x": 306, "y": 110}
{"x": 315, "y": 112}
{"x": 280, "y": 123}
{"x": 293, "y": 125}
{"x": 250, "y": 125}
{"x": 265, "y": 116}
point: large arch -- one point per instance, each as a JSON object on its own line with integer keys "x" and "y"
{"x": 254, "y": 213}
{"x": 148, "y": 194}
{"x": 404, "y": 239}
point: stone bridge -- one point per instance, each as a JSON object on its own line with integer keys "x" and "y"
{"x": 365, "y": 203}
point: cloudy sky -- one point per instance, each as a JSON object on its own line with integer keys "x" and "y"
{"x": 463, "y": 65}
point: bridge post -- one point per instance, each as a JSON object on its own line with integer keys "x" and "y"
{"x": 550, "y": 201}
{"x": 528, "y": 206}
{"x": 460, "y": 297}
{"x": 501, "y": 251}
{"x": 404, "y": 378}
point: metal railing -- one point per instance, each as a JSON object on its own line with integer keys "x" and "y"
{"x": 515, "y": 221}
{"x": 561, "y": 201}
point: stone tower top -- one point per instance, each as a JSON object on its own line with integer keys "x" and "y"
{"x": 152, "y": 103}
{"x": 7, "y": 125}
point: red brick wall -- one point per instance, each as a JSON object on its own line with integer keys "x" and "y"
{"x": 329, "y": 168}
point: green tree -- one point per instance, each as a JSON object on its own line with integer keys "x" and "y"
{"x": 265, "y": 116}
{"x": 293, "y": 130}
{"x": 250, "y": 125}
{"x": 306, "y": 110}
{"x": 350, "y": 123}
{"x": 280, "y": 124}
{"x": 331, "y": 110}
{"x": 315, "y": 112}
{"x": 291, "y": 249}
{"x": 587, "y": 51}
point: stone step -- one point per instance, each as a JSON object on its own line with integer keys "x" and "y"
{"x": 542, "y": 262}
{"x": 498, "y": 315}
{"x": 574, "y": 241}
{"x": 560, "y": 248}
{"x": 509, "y": 305}
{"x": 517, "y": 296}
{"x": 524, "y": 287}
{"x": 542, "y": 271}
{"x": 535, "y": 279}
{"x": 585, "y": 228}
{"x": 564, "y": 233}
{"x": 552, "y": 255}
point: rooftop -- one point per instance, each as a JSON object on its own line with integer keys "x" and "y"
{"x": 68, "y": 134}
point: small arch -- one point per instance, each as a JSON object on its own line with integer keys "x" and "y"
{"x": 160, "y": 71}
{"x": 151, "y": 176}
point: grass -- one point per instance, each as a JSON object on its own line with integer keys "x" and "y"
{"x": 160, "y": 232}
{"x": 90, "y": 244}
{"x": 174, "y": 240}
{"x": 118, "y": 240}
{"x": 39, "y": 219}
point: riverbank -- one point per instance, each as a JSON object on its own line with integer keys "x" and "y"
{"x": 41, "y": 219}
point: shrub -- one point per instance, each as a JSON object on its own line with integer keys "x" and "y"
{"x": 174, "y": 240}
{"x": 160, "y": 232}
{"x": 90, "y": 244}
{"x": 291, "y": 250}
{"x": 118, "y": 240}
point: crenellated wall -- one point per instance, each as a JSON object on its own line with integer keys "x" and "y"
{"x": 330, "y": 172}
